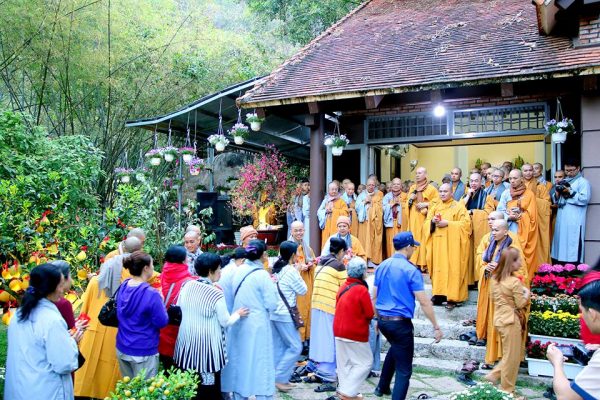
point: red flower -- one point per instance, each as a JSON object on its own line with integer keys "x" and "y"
{"x": 83, "y": 248}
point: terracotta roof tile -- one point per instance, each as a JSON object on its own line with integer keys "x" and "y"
{"x": 398, "y": 45}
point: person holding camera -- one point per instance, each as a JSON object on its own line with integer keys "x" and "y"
{"x": 573, "y": 195}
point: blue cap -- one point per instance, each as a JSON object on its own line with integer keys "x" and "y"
{"x": 404, "y": 239}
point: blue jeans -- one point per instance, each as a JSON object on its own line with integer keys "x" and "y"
{"x": 375, "y": 343}
{"x": 400, "y": 357}
{"x": 287, "y": 348}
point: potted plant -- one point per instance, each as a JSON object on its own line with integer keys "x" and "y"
{"x": 337, "y": 143}
{"x": 560, "y": 129}
{"x": 124, "y": 174}
{"x": 196, "y": 165}
{"x": 538, "y": 365}
{"x": 187, "y": 153}
{"x": 239, "y": 132}
{"x": 170, "y": 153}
{"x": 222, "y": 190}
{"x": 255, "y": 121}
{"x": 481, "y": 391}
{"x": 155, "y": 156}
{"x": 219, "y": 141}
{"x": 559, "y": 324}
{"x": 140, "y": 174}
{"x": 172, "y": 384}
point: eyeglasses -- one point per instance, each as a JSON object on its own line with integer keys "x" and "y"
{"x": 570, "y": 169}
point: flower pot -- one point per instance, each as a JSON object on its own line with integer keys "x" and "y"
{"x": 125, "y": 179}
{"x": 187, "y": 158}
{"x": 337, "y": 150}
{"x": 169, "y": 157}
{"x": 155, "y": 161}
{"x": 328, "y": 142}
{"x": 238, "y": 139}
{"x": 538, "y": 367}
{"x": 559, "y": 137}
{"x": 255, "y": 126}
{"x": 140, "y": 177}
{"x": 220, "y": 146}
{"x": 544, "y": 339}
{"x": 194, "y": 171}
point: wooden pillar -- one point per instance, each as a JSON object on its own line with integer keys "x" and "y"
{"x": 590, "y": 163}
{"x": 317, "y": 179}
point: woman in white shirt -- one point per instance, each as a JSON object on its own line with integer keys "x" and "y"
{"x": 41, "y": 351}
{"x": 286, "y": 338}
{"x": 200, "y": 343}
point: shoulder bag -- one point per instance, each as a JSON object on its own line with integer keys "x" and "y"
{"x": 174, "y": 311}
{"x": 293, "y": 310}
{"x": 108, "y": 312}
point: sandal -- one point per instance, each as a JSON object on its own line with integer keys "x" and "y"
{"x": 450, "y": 306}
{"x": 473, "y": 340}
{"x": 423, "y": 396}
{"x": 486, "y": 366}
{"x": 469, "y": 322}
{"x": 481, "y": 342}
{"x": 326, "y": 387}
{"x": 312, "y": 378}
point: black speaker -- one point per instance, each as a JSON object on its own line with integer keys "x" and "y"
{"x": 208, "y": 200}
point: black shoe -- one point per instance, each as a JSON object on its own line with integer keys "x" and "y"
{"x": 481, "y": 342}
{"x": 295, "y": 378}
{"x": 466, "y": 379}
{"x": 326, "y": 387}
{"x": 379, "y": 393}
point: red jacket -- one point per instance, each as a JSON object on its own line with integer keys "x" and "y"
{"x": 353, "y": 311}
{"x": 177, "y": 274}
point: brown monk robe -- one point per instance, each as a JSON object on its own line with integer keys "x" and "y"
{"x": 332, "y": 207}
{"x": 520, "y": 208}
{"x": 392, "y": 214}
{"x": 474, "y": 201}
{"x": 421, "y": 196}
{"x": 369, "y": 207}
{"x": 446, "y": 231}
{"x": 306, "y": 261}
{"x": 544, "y": 213}
{"x": 485, "y": 307}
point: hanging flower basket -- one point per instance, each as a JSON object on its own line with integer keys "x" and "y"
{"x": 170, "y": 153}
{"x": 140, "y": 174}
{"x": 124, "y": 174}
{"x": 337, "y": 150}
{"x": 187, "y": 153}
{"x": 196, "y": 165}
{"x": 155, "y": 156}
{"x": 239, "y": 132}
{"x": 560, "y": 129}
{"x": 337, "y": 143}
{"x": 255, "y": 121}
{"x": 219, "y": 141}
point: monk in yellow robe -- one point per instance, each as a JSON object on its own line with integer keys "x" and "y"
{"x": 421, "y": 196}
{"x": 135, "y": 232}
{"x": 495, "y": 189}
{"x": 487, "y": 257}
{"x": 518, "y": 204}
{"x": 332, "y": 207}
{"x": 306, "y": 261}
{"x": 474, "y": 201}
{"x": 544, "y": 212}
{"x": 447, "y": 245}
{"x": 392, "y": 214}
{"x": 355, "y": 247}
{"x": 403, "y": 199}
{"x": 350, "y": 198}
{"x": 369, "y": 207}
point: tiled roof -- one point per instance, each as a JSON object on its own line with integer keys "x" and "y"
{"x": 387, "y": 46}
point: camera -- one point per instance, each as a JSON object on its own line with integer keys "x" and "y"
{"x": 561, "y": 186}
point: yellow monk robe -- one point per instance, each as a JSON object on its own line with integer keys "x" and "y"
{"x": 416, "y": 219}
{"x": 490, "y": 204}
{"x": 340, "y": 208}
{"x": 527, "y": 228}
{"x": 403, "y": 200}
{"x": 544, "y": 214}
{"x": 447, "y": 250}
{"x": 370, "y": 231}
{"x": 303, "y": 302}
{"x": 485, "y": 307}
{"x": 390, "y": 232}
{"x": 479, "y": 228}
{"x": 353, "y": 218}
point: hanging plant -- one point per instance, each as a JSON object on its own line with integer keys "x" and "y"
{"x": 560, "y": 129}
{"x": 337, "y": 143}
{"x": 155, "y": 156}
{"x": 219, "y": 141}
{"x": 170, "y": 153}
{"x": 141, "y": 174}
{"x": 196, "y": 165}
{"x": 124, "y": 174}
{"x": 187, "y": 153}
{"x": 239, "y": 132}
{"x": 255, "y": 121}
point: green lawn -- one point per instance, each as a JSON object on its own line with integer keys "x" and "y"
{"x": 3, "y": 348}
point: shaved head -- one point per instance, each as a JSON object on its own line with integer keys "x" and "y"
{"x": 137, "y": 233}
{"x": 515, "y": 178}
{"x": 132, "y": 244}
{"x": 297, "y": 231}
{"x": 475, "y": 181}
{"x": 445, "y": 192}
{"x": 421, "y": 174}
{"x": 455, "y": 174}
{"x": 527, "y": 170}
{"x": 499, "y": 229}
{"x": 371, "y": 184}
{"x": 494, "y": 216}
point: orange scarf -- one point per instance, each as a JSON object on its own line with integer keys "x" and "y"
{"x": 518, "y": 191}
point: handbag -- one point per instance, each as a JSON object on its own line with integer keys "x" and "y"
{"x": 173, "y": 311}
{"x": 293, "y": 310}
{"x": 108, "y": 312}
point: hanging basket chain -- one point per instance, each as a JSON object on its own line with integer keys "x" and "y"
{"x": 155, "y": 136}
{"x": 195, "y": 127}
{"x": 169, "y": 138}
{"x": 188, "y": 142}
{"x": 559, "y": 112}
{"x": 220, "y": 130}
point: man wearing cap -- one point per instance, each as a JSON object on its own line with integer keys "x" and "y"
{"x": 397, "y": 283}
{"x": 355, "y": 247}
{"x": 247, "y": 233}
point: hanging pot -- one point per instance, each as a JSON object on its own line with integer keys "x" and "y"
{"x": 169, "y": 157}
{"x": 239, "y": 139}
{"x": 255, "y": 126}
{"x": 125, "y": 179}
{"x": 337, "y": 150}
{"x": 140, "y": 177}
{"x": 559, "y": 137}
{"x": 155, "y": 161}
{"x": 187, "y": 158}
{"x": 220, "y": 146}
{"x": 194, "y": 171}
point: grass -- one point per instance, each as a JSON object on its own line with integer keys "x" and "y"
{"x": 3, "y": 350}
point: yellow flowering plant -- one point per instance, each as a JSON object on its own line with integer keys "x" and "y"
{"x": 558, "y": 324}
{"x": 177, "y": 385}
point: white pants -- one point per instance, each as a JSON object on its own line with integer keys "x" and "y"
{"x": 354, "y": 361}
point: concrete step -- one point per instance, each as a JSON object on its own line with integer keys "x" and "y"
{"x": 448, "y": 349}
{"x": 464, "y": 312}
{"x": 473, "y": 294}
{"x": 451, "y": 329}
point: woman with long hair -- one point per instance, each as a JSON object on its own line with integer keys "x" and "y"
{"x": 41, "y": 351}
{"x": 141, "y": 315}
{"x": 200, "y": 343}
{"x": 286, "y": 338}
{"x": 510, "y": 297}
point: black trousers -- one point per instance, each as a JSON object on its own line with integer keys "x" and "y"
{"x": 210, "y": 392}
{"x": 399, "y": 359}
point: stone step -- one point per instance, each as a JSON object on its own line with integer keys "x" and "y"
{"x": 464, "y": 312}
{"x": 451, "y": 329}
{"x": 448, "y": 349}
{"x": 473, "y": 294}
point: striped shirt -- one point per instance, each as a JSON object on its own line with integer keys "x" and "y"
{"x": 291, "y": 284}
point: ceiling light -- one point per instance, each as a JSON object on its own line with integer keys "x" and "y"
{"x": 439, "y": 111}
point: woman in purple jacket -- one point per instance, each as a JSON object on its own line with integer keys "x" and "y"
{"x": 141, "y": 315}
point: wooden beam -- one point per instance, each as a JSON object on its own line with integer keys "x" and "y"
{"x": 507, "y": 89}
{"x": 260, "y": 112}
{"x": 590, "y": 83}
{"x": 313, "y": 107}
{"x": 372, "y": 102}
{"x": 310, "y": 120}
{"x": 436, "y": 96}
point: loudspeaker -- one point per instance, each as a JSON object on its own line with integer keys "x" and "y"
{"x": 221, "y": 222}
{"x": 206, "y": 200}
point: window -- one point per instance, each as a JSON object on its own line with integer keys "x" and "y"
{"x": 421, "y": 125}
{"x": 510, "y": 119}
